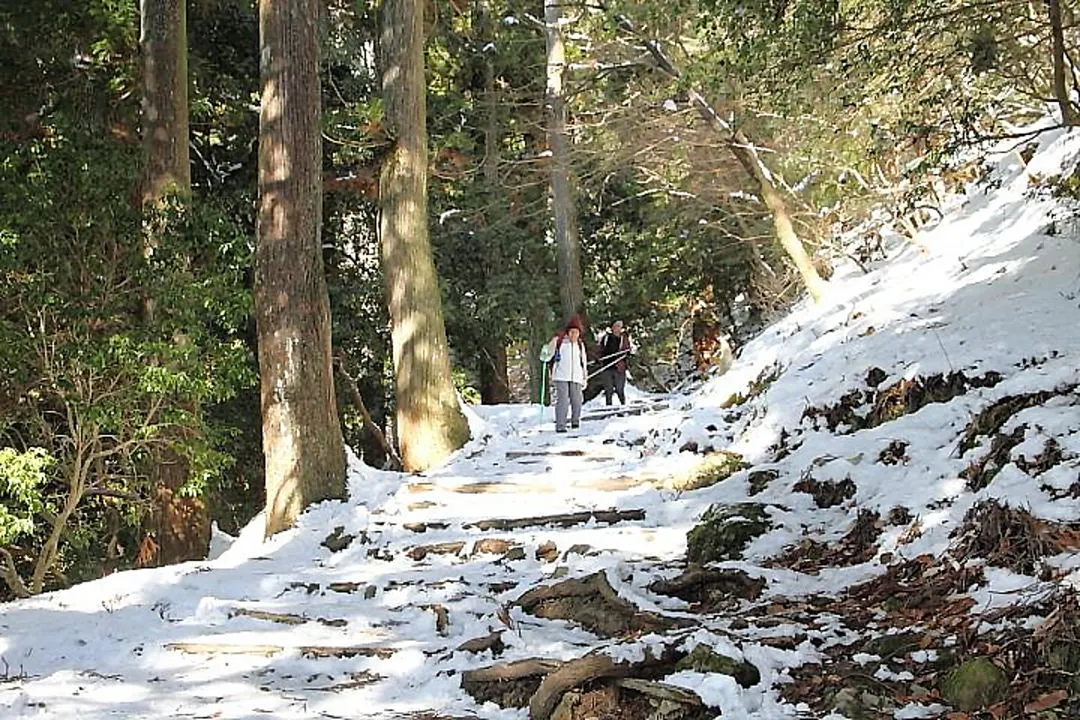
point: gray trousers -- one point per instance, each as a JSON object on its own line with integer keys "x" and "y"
{"x": 567, "y": 395}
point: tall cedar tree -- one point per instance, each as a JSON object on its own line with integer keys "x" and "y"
{"x": 181, "y": 524}
{"x": 430, "y": 424}
{"x": 302, "y": 440}
{"x": 564, "y": 210}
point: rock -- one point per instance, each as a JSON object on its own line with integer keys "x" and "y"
{"x": 760, "y": 479}
{"x": 547, "y": 552}
{"x": 716, "y": 467}
{"x": 338, "y": 540}
{"x": 974, "y": 684}
{"x": 848, "y": 702}
{"x": 513, "y": 554}
{"x": 704, "y": 659}
{"x": 492, "y": 546}
{"x": 724, "y": 532}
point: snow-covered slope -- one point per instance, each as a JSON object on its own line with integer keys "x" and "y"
{"x": 855, "y": 412}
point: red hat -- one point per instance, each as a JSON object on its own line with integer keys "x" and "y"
{"x": 575, "y": 322}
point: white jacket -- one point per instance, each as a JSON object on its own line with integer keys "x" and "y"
{"x": 571, "y": 362}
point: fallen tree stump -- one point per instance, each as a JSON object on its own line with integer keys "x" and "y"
{"x": 562, "y": 520}
{"x": 592, "y": 603}
{"x": 507, "y": 684}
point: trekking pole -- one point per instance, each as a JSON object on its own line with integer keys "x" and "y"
{"x": 543, "y": 388}
{"x": 610, "y": 364}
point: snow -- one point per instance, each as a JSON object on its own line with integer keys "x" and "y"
{"x": 994, "y": 292}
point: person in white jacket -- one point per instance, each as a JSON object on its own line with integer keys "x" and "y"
{"x": 566, "y": 353}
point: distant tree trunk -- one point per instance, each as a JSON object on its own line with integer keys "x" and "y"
{"x": 571, "y": 292}
{"x": 494, "y": 381}
{"x": 302, "y": 441}
{"x": 430, "y": 424}
{"x": 747, "y": 156}
{"x": 1061, "y": 89}
{"x": 180, "y": 524}
{"x": 745, "y": 152}
{"x": 494, "y": 378}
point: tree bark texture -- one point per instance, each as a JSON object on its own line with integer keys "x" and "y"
{"x": 494, "y": 379}
{"x": 430, "y": 424}
{"x": 571, "y": 292}
{"x": 1061, "y": 87}
{"x": 302, "y": 441}
{"x": 180, "y": 524}
{"x": 163, "y": 41}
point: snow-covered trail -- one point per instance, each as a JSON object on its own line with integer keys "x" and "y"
{"x": 254, "y": 632}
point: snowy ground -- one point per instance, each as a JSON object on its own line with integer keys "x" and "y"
{"x": 236, "y": 637}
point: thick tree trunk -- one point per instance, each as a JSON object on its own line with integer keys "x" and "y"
{"x": 180, "y": 524}
{"x": 302, "y": 442}
{"x": 571, "y": 292}
{"x": 430, "y": 424}
{"x": 1061, "y": 88}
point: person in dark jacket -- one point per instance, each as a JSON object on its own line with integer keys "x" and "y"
{"x": 615, "y": 347}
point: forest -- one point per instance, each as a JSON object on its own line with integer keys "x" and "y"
{"x": 246, "y": 244}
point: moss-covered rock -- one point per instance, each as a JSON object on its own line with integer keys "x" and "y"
{"x": 974, "y": 684}
{"x": 724, "y": 532}
{"x": 893, "y": 645}
{"x": 716, "y": 467}
{"x": 704, "y": 659}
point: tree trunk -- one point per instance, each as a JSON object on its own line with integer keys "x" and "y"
{"x": 302, "y": 442}
{"x": 494, "y": 381}
{"x": 1061, "y": 88}
{"x": 571, "y": 292}
{"x": 181, "y": 524}
{"x": 744, "y": 151}
{"x": 430, "y": 424}
{"x": 746, "y": 154}
{"x": 163, "y": 40}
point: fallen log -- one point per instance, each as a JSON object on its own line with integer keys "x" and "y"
{"x": 284, "y": 618}
{"x": 447, "y": 548}
{"x": 308, "y": 651}
{"x": 561, "y": 520}
{"x": 569, "y": 676}
{"x": 590, "y": 668}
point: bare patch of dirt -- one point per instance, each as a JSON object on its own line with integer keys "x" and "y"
{"x": 857, "y": 546}
{"x": 826, "y": 493}
{"x": 895, "y": 453}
